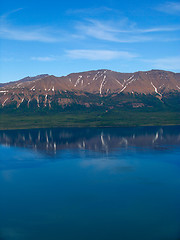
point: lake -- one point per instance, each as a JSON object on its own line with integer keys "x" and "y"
{"x": 90, "y": 184}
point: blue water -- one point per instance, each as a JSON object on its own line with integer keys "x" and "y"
{"x": 84, "y": 184}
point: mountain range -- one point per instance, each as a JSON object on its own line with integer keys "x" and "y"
{"x": 91, "y": 88}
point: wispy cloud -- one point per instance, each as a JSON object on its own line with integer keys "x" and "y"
{"x": 7, "y": 59}
{"x": 169, "y": 63}
{"x": 158, "y": 29}
{"x": 169, "y": 7}
{"x": 99, "y": 54}
{"x": 106, "y": 31}
{"x": 90, "y": 11}
{"x": 44, "y": 59}
{"x": 36, "y": 34}
{"x": 122, "y": 31}
{"x": 24, "y": 33}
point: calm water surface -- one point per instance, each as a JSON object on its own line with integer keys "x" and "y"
{"x": 90, "y": 184}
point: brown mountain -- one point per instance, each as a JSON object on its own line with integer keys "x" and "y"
{"x": 101, "y": 82}
{"x": 26, "y": 79}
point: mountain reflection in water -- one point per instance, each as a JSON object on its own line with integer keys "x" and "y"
{"x": 97, "y": 139}
{"x": 90, "y": 183}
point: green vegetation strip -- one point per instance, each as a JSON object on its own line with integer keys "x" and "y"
{"x": 92, "y": 119}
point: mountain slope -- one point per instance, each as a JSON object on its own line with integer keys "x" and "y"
{"x": 88, "y": 88}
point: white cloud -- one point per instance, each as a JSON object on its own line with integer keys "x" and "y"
{"x": 36, "y": 34}
{"x": 7, "y": 59}
{"x": 159, "y": 29}
{"x": 122, "y": 31}
{"x": 43, "y": 59}
{"x": 28, "y": 33}
{"x": 169, "y": 7}
{"x": 169, "y": 63}
{"x": 90, "y": 11}
{"x": 99, "y": 54}
{"x": 108, "y": 31}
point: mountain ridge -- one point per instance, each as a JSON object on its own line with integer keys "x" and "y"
{"x": 40, "y": 76}
{"x": 45, "y": 89}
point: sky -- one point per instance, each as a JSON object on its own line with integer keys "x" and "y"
{"x": 60, "y": 37}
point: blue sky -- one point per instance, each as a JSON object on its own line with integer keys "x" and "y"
{"x": 60, "y": 37}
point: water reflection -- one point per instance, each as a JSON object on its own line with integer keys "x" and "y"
{"x": 98, "y": 139}
{"x": 90, "y": 183}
